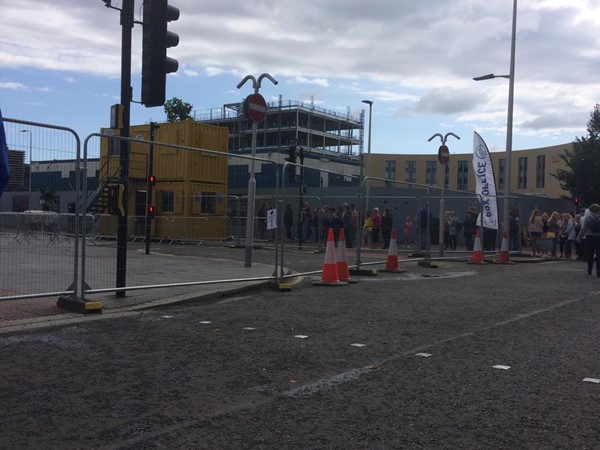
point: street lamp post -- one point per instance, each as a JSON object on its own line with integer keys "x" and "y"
{"x": 509, "y": 121}
{"x": 368, "y": 174}
{"x": 30, "y": 161}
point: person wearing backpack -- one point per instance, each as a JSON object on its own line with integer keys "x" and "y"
{"x": 590, "y": 229}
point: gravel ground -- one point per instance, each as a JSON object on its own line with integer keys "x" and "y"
{"x": 393, "y": 361}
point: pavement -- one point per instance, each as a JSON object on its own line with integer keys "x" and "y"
{"x": 38, "y": 312}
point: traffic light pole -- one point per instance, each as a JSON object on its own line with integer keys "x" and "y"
{"x": 126, "y": 27}
{"x": 149, "y": 185}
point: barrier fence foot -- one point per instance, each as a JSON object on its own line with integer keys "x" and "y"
{"x": 428, "y": 264}
{"x": 76, "y": 305}
{"x": 363, "y": 272}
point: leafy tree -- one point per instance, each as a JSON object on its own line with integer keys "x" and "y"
{"x": 581, "y": 175}
{"x": 177, "y": 110}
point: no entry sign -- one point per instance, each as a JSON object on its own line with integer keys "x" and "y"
{"x": 256, "y": 107}
{"x": 443, "y": 154}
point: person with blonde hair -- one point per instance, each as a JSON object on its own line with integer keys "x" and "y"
{"x": 535, "y": 227}
{"x": 554, "y": 226}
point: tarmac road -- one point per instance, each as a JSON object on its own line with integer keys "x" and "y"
{"x": 462, "y": 356}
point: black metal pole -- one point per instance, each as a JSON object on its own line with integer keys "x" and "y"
{"x": 126, "y": 27}
{"x": 301, "y": 197}
{"x": 149, "y": 186}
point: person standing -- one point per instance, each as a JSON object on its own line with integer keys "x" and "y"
{"x": 288, "y": 220}
{"x": 570, "y": 234}
{"x": 376, "y": 225}
{"x": 514, "y": 230}
{"x": 408, "y": 231}
{"x": 424, "y": 220}
{"x": 355, "y": 220}
{"x": 535, "y": 228}
{"x": 347, "y": 224}
{"x": 452, "y": 230}
{"x": 387, "y": 222}
{"x": 367, "y": 230}
{"x": 470, "y": 228}
{"x": 590, "y": 228}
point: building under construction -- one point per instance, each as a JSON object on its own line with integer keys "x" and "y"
{"x": 329, "y": 140}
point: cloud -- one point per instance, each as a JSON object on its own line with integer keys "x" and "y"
{"x": 304, "y": 80}
{"x": 13, "y": 85}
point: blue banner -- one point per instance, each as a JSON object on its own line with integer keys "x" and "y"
{"x": 4, "y": 169}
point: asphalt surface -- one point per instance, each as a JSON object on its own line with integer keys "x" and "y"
{"x": 458, "y": 356}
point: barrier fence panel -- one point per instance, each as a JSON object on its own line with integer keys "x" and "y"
{"x": 38, "y": 226}
{"x": 193, "y": 210}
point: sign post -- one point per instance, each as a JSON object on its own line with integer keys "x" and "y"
{"x": 256, "y": 110}
{"x": 443, "y": 158}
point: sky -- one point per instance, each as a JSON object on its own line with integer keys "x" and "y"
{"x": 60, "y": 63}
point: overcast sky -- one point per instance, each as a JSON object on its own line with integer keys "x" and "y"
{"x": 60, "y": 63}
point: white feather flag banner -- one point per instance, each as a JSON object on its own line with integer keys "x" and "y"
{"x": 486, "y": 183}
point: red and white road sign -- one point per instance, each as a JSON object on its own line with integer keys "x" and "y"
{"x": 443, "y": 154}
{"x": 256, "y": 107}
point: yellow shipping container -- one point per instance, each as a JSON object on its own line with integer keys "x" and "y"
{"x": 190, "y": 191}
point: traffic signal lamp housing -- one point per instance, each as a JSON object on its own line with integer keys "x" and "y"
{"x": 151, "y": 211}
{"x": 115, "y": 199}
{"x": 156, "y": 39}
{"x": 576, "y": 201}
{"x": 151, "y": 180}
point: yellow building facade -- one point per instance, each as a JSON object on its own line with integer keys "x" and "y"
{"x": 531, "y": 170}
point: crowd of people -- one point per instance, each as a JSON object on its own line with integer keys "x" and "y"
{"x": 566, "y": 235}
{"x": 572, "y": 236}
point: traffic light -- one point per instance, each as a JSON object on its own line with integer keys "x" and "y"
{"x": 291, "y": 154}
{"x": 291, "y": 168}
{"x": 151, "y": 180}
{"x": 151, "y": 211}
{"x": 576, "y": 201}
{"x": 156, "y": 39}
{"x": 115, "y": 199}
{"x": 113, "y": 195}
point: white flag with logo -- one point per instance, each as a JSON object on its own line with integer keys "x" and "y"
{"x": 485, "y": 183}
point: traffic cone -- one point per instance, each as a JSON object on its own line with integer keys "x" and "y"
{"x": 504, "y": 254}
{"x": 330, "y": 275}
{"x": 477, "y": 257}
{"x": 342, "y": 259}
{"x": 391, "y": 263}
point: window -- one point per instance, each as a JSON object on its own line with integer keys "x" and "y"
{"x": 501, "y": 165}
{"x": 523, "y": 173}
{"x": 431, "y": 173}
{"x": 208, "y": 202}
{"x": 410, "y": 169}
{"x": 390, "y": 172}
{"x": 462, "y": 181}
{"x": 167, "y": 201}
{"x": 540, "y": 172}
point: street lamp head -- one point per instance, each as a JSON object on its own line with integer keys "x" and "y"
{"x": 368, "y": 102}
{"x": 490, "y": 76}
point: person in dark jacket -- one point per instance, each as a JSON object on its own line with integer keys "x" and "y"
{"x": 470, "y": 228}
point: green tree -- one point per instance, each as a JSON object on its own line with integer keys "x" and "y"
{"x": 581, "y": 177}
{"x": 177, "y": 110}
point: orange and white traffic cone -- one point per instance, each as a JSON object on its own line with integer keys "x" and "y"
{"x": 391, "y": 263}
{"x": 330, "y": 275}
{"x": 504, "y": 253}
{"x": 477, "y": 257}
{"x": 342, "y": 259}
